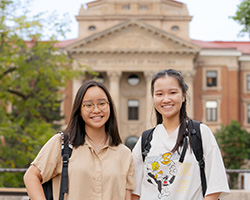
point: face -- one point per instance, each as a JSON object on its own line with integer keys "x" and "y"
{"x": 96, "y": 117}
{"x": 168, "y": 97}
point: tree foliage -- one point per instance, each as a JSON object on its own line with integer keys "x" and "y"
{"x": 32, "y": 75}
{"x": 242, "y": 16}
{"x": 235, "y": 145}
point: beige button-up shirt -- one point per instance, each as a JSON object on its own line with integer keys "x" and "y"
{"x": 105, "y": 175}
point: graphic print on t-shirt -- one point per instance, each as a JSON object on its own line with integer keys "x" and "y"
{"x": 161, "y": 172}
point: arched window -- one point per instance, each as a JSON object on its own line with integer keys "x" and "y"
{"x": 133, "y": 79}
{"x": 175, "y": 28}
{"x": 92, "y": 28}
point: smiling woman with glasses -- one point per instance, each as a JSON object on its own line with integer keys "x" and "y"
{"x": 100, "y": 166}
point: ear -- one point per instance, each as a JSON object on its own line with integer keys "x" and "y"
{"x": 183, "y": 98}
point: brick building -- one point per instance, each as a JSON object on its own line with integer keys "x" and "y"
{"x": 127, "y": 41}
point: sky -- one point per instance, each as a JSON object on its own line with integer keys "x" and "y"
{"x": 210, "y": 20}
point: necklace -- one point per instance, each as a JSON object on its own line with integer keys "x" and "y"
{"x": 96, "y": 146}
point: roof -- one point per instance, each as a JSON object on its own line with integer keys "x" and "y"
{"x": 62, "y": 44}
{"x": 244, "y": 47}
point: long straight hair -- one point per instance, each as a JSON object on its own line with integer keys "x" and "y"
{"x": 183, "y": 114}
{"x": 75, "y": 131}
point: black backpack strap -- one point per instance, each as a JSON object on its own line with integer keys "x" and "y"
{"x": 196, "y": 143}
{"x": 145, "y": 142}
{"x": 66, "y": 153}
{"x": 185, "y": 145}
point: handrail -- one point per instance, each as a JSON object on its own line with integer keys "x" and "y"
{"x": 13, "y": 169}
{"x": 230, "y": 171}
{"x": 13, "y": 192}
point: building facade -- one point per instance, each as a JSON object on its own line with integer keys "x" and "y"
{"x": 127, "y": 41}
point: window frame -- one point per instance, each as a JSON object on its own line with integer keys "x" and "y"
{"x": 248, "y": 113}
{"x": 211, "y": 113}
{"x": 133, "y": 111}
{"x": 214, "y": 80}
{"x": 245, "y": 83}
{"x": 218, "y": 87}
{"x": 218, "y": 99}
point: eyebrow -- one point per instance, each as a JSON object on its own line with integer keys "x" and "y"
{"x": 160, "y": 90}
{"x": 103, "y": 99}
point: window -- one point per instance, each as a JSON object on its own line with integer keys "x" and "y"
{"x": 133, "y": 109}
{"x": 248, "y": 113}
{"x": 211, "y": 78}
{"x": 133, "y": 79}
{"x": 126, "y": 7}
{"x": 211, "y": 111}
{"x": 143, "y": 7}
{"x": 92, "y": 28}
{"x": 248, "y": 82}
{"x": 175, "y": 28}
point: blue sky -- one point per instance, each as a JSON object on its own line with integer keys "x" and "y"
{"x": 210, "y": 21}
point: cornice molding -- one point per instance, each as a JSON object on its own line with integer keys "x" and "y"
{"x": 220, "y": 52}
{"x": 244, "y": 58}
{"x": 128, "y": 51}
{"x": 138, "y": 17}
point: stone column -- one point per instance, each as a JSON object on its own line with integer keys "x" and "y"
{"x": 77, "y": 83}
{"x": 114, "y": 88}
{"x": 189, "y": 79}
{"x": 149, "y": 111}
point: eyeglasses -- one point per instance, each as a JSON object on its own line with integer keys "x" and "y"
{"x": 101, "y": 105}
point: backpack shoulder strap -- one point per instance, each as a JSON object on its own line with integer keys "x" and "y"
{"x": 196, "y": 144}
{"x": 66, "y": 153}
{"x": 145, "y": 142}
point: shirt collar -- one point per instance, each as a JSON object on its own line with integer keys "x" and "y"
{"x": 107, "y": 145}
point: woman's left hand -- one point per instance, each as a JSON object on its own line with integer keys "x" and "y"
{"x": 213, "y": 196}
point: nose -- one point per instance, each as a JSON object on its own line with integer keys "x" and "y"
{"x": 166, "y": 98}
{"x": 96, "y": 109}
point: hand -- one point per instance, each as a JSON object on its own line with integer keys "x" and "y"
{"x": 214, "y": 196}
{"x": 135, "y": 197}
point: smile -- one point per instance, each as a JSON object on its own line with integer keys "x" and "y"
{"x": 168, "y": 106}
{"x": 97, "y": 117}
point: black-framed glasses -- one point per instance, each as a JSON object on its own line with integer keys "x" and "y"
{"x": 101, "y": 105}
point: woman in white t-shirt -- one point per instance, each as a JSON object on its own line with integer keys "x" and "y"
{"x": 161, "y": 176}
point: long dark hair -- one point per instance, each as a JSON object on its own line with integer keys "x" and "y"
{"x": 75, "y": 131}
{"x": 183, "y": 113}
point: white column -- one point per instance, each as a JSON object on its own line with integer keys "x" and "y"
{"x": 114, "y": 88}
{"x": 149, "y": 111}
{"x": 77, "y": 83}
{"x": 189, "y": 79}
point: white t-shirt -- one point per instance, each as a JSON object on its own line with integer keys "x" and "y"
{"x": 163, "y": 177}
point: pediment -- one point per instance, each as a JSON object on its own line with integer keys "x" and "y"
{"x": 132, "y": 36}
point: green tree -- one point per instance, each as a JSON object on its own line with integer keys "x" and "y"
{"x": 234, "y": 143}
{"x": 32, "y": 75}
{"x": 242, "y": 16}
